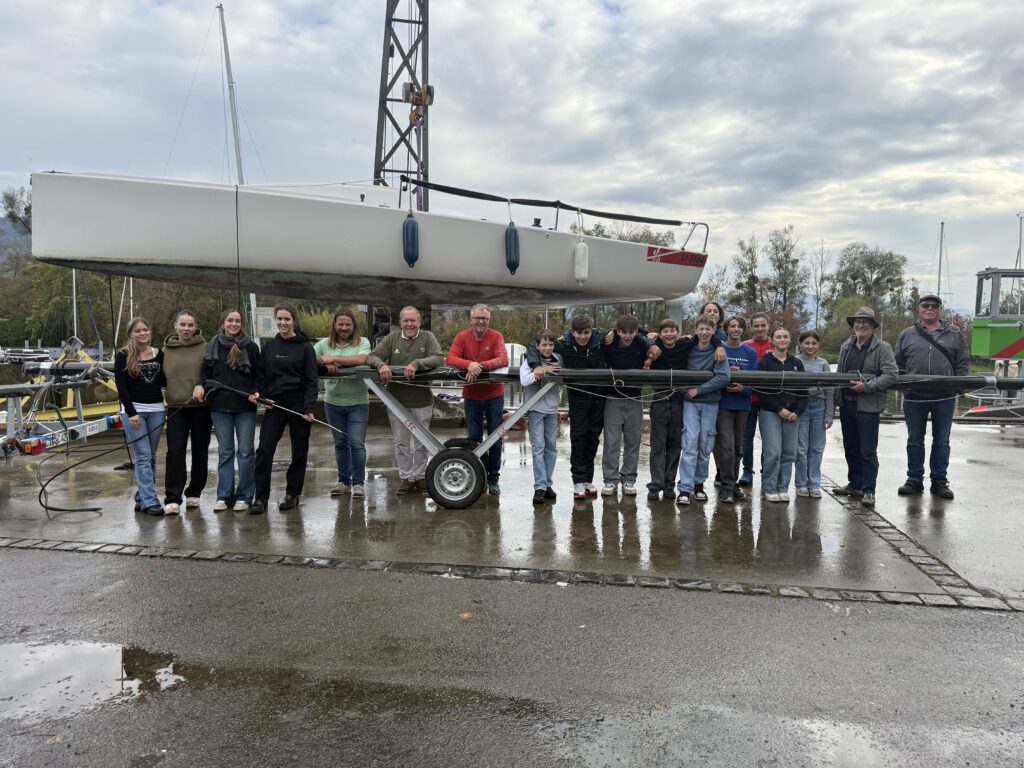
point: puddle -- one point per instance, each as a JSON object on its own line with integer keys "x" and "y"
{"x": 40, "y": 681}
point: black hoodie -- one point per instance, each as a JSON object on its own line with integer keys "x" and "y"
{"x": 288, "y": 370}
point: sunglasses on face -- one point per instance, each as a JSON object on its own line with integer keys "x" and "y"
{"x": 929, "y": 306}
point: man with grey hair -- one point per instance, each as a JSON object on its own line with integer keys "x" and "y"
{"x": 410, "y": 350}
{"x": 476, "y": 350}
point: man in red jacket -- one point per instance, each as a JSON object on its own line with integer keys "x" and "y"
{"x": 475, "y": 350}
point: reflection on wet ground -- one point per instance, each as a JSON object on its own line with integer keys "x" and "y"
{"x": 808, "y": 541}
{"x": 59, "y": 680}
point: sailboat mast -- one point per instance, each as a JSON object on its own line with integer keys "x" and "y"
{"x": 942, "y": 240}
{"x": 231, "y": 95}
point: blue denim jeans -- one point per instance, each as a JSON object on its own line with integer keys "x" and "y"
{"x": 350, "y": 443}
{"x": 145, "y": 440}
{"x": 810, "y": 444}
{"x": 543, "y": 428}
{"x": 860, "y": 442}
{"x": 700, "y": 425}
{"x": 915, "y": 413}
{"x": 778, "y": 451}
{"x": 491, "y": 411}
{"x": 236, "y": 440}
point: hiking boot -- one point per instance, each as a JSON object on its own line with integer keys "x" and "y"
{"x": 699, "y": 493}
{"x": 579, "y": 491}
{"x": 339, "y": 489}
{"x": 538, "y": 497}
{"x": 868, "y": 500}
{"x": 911, "y": 488}
{"x": 848, "y": 490}
{"x": 941, "y": 489}
{"x": 406, "y": 487}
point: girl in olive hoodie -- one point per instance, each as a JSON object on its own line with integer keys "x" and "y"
{"x": 189, "y": 414}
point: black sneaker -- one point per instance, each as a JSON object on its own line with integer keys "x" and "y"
{"x": 550, "y": 494}
{"x": 941, "y": 489}
{"x": 848, "y": 490}
{"x": 538, "y": 497}
{"x": 653, "y": 495}
{"x": 155, "y": 511}
{"x": 727, "y": 498}
{"x": 258, "y": 507}
{"x": 738, "y": 493}
{"x": 912, "y": 488}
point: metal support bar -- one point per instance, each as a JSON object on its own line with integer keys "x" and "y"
{"x": 496, "y": 435}
{"x": 421, "y": 433}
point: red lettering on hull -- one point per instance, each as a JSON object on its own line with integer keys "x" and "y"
{"x": 671, "y": 256}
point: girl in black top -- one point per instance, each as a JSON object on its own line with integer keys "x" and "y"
{"x": 287, "y": 377}
{"x": 138, "y": 373}
{"x": 780, "y": 411}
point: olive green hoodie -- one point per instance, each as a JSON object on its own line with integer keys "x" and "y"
{"x": 182, "y": 366}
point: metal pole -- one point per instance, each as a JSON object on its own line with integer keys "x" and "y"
{"x": 74, "y": 303}
{"x": 231, "y": 95}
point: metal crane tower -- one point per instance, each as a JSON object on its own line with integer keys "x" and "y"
{"x": 403, "y": 80}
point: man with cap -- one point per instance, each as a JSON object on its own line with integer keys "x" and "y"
{"x": 861, "y": 404}
{"x": 930, "y": 346}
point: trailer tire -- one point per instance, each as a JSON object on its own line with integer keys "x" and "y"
{"x": 455, "y": 478}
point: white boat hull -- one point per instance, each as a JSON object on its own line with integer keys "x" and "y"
{"x": 312, "y": 242}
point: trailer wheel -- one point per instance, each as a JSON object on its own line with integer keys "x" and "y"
{"x": 461, "y": 442}
{"x": 455, "y": 478}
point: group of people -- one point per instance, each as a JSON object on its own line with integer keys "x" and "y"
{"x": 217, "y": 384}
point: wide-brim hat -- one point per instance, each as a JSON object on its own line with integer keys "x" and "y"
{"x": 864, "y": 313}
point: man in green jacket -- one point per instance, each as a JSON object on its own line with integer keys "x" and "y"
{"x": 408, "y": 350}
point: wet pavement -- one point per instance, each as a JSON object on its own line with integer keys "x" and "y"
{"x": 965, "y": 547}
{"x": 412, "y": 636}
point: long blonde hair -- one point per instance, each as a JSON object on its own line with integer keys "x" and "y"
{"x": 235, "y": 353}
{"x": 131, "y": 349}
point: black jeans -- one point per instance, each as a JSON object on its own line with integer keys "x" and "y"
{"x": 182, "y": 426}
{"x": 586, "y": 422}
{"x": 271, "y": 431}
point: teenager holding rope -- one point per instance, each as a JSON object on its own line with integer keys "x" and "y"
{"x": 138, "y": 373}
{"x": 231, "y": 359}
{"x": 287, "y": 375}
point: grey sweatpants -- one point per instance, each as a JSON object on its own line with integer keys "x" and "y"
{"x": 623, "y": 420}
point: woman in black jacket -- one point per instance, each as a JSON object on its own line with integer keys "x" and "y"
{"x": 288, "y": 378}
{"x": 779, "y": 416}
{"x": 232, "y": 359}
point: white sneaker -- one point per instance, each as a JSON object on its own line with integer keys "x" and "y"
{"x": 357, "y": 490}
{"x": 783, "y": 496}
{"x": 591, "y": 489}
{"x": 609, "y": 489}
{"x": 683, "y": 497}
{"x": 629, "y": 489}
{"x": 220, "y": 505}
{"x": 172, "y": 508}
{"x": 802, "y": 492}
{"x": 772, "y": 496}
{"x": 815, "y": 493}
{"x": 241, "y": 506}
{"x": 579, "y": 491}
{"x": 339, "y": 489}
{"x": 192, "y": 502}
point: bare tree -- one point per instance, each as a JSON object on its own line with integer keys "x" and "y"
{"x": 819, "y": 266}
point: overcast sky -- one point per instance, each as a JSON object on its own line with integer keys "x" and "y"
{"x": 864, "y": 120}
